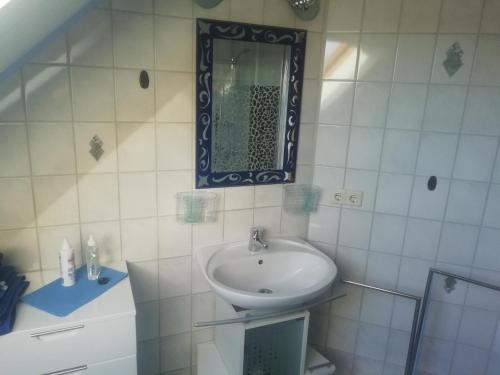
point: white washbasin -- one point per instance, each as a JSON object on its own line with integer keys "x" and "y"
{"x": 289, "y": 272}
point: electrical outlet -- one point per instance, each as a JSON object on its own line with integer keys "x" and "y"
{"x": 354, "y": 198}
{"x": 338, "y": 197}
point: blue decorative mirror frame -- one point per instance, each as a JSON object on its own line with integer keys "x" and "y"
{"x": 295, "y": 41}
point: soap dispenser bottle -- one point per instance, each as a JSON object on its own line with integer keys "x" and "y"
{"x": 93, "y": 267}
{"x": 67, "y": 263}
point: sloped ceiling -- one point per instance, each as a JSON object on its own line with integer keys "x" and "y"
{"x": 26, "y": 25}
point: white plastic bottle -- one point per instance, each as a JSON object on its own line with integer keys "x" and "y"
{"x": 67, "y": 263}
{"x": 93, "y": 266}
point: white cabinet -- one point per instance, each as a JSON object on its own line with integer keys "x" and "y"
{"x": 98, "y": 338}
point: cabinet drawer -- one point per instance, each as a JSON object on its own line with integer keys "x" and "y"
{"x": 122, "y": 366}
{"x": 68, "y": 346}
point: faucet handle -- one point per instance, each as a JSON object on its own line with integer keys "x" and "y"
{"x": 256, "y": 230}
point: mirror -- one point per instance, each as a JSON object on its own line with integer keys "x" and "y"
{"x": 249, "y": 84}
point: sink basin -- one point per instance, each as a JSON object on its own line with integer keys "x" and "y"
{"x": 288, "y": 273}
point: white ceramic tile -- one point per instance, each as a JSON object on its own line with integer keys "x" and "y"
{"x": 482, "y": 111}
{"x": 136, "y": 151}
{"x": 179, "y": 8}
{"x": 237, "y": 225}
{"x": 175, "y": 352}
{"x": 370, "y": 104}
{"x": 491, "y": 12}
{"x": 445, "y": 108}
{"x": 487, "y": 250}
{"x": 413, "y": 275}
{"x": 492, "y": 214}
{"x": 174, "y": 44}
{"x": 406, "y": 106}
{"x": 307, "y": 142}
{"x": 477, "y": 327}
{"x": 341, "y": 52}
{"x": 365, "y": 147}
{"x": 443, "y": 321}
{"x": 351, "y": 308}
{"x": 444, "y": 42}
{"x": 344, "y": 15}
{"x": 144, "y": 280}
{"x": 148, "y": 357}
{"x": 420, "y": 16}
{"x": 47, "y": 93}
{"x": 309, "y": 106}
{"x": 429, "y": 204}
{"x": 140, "y": 239}
{"x": 90, "y": 40}
{"x": 372, "y": 341}
{"x": 365, "y": 181}
{"x": 244, "y": 11}
{"x": 414, "y": 58}
{"x": 93, "y": 94}
{"x": 98, "y": 197}
{"x": 460, "y": 289}
{"x": 422, "y": 238}
{"x": 237, "y": 198}
{"x": 355, "y": 228}
{"x": 323, "y": 224}
{"x": 54, "y": 52}
{"x": 393, "y": 196}
{"x": 469, "y": 360}
{"x": 400, "y": 151}
{"x": 342, "y": 334}
{"x": 496, "y": 171}
{"x": 437, "y": 154}
{"x": 137, "y": 195}
{"x": 51, "y": 239}
{"x": 376, "y": 308}
{"x": 485, "y": 72}
{"x": 381, "y": 15}
{"x": 175, "y": 315}
{"x": 480, "y": 297}
{"x": 376, "y": 60}
{"x": 133, "y": 40}
{"x": 268, "y": 195}
{"x": 331, "y": 147}
{"x": 457, "y": 244}
{"x": 460, "y": 16}
{"x": 174, "y": 97}
{"x": 56, "y": 200}
{"x": 352, "y": 263}
{"x": 209, "y": 234}
{"x": 147, "y": 320}
{"x": 436, "y": 355}
{"x": 279, "y": 13}
{"x": 108, "y": 238}
{"x": 133, "y": 103}
{"x": 474, "y": 165}
{"x": 466, "y": 202}
{"x": 382, "y": 270}
{"x": 268, "y": 218}
{"x": 13, "y": 142}
{"x": 336, "y": 103}
{"x": 402, "y": 314}
{"x": 198, "y": 282}
{"x": 145, "y": 6}
{"x": 329, "y": 179}
{"x": 388, "y": 233}
{"x": 85, "y": 162}
{"x": 174, "y": 237}
{"x": 397, "y": 351}
{"x": 175, "y": 277}
{"x": 170, "y": 183}
{"x": 315, "y": 24}
{"x": 203, "y": 307}
{"x": 11, "y": 105}
{"x": 51, "y": 149}
{"x": 20, "y": 249}
{"x": 313, "y": 55}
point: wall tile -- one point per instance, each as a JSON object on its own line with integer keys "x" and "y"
{"x": 53, "y": 53}
{"x": 400, "y": 151}
{"x": 270, "y": 219}
{"x": 51, "y": 239}
{"x": 487, "y": 250}
{"x": 457, "y": 241}
{"x": 342, "y": 334}
{"x": 444, "y": 42}
{"x": 175, "y": 277}
{"x": 477, "y": 328}
{"x": 381, "y": 15}
{"x": 329, "y": 179}
{"x": 237, "y": 225}
{"x": 370, "y": 104}
{"x": 443, "y": 320}
{"x": 365, "y": 181}
{"x": 372, "y": 341}
{"x": 492, "y": 214}
{"x": 344, "y": 15}
{"x": 174, "y": 44}
{"x": 147, "y": 320}
{"x": 175, "y": 315}
{"x": 209, "y": 234}
{"x": 496, "y": 171}
{"x": 13, "y": 142}
{"x": 144, "y": 280}
{"x": 307, "y": 143}
{"x": 393, "y": 195}
{"x": 203, "y": 307}
{"x": 406, "y": 107}
{"x": 170, "y": 183}
{"x": 491, "y": 12}
{"x": 420, "y": 16}
{"x": 466, "y": 202}
{"x": 429, "y": 204}
{"x": 412, "y": 275}
{"x": 462, "y": 16}
{"x": 93, "y": 94}
{"x": 148, "y": 357}
{"x": 52, "y": 149}
{"x": 220, "y": 11}
{"x": 174, "y": 97}
{"x": 377, "y": 56}
{"x": 436, "y": 355}
{"x": 351, "y": 263}
{"x": 365, "y": 147}
{"x": 422, "y": 239}
{"x": 317, "y": 24}
{"x": 268, "y": 195}
{"x": 237, "y": 198}
{"x": 437, "y": 154}
{"x": 388, "y": 233}
{"x": 98, "y": 197}
{"x": 397, "y": 350}
{"x": 243, "y": 11}
{"x": 108, "y": 238}
{"x": 11, "y": 105}
{"x": 278, "y": 13}
{"x": 323, "y": 224}
{"x": 145, "y": 6}
{"x": 341, "y": 52}
{"x": 469, "y": 360}
{"x": 137, "y": 195}
{"x": 20, "y": 249}
{"x": 336, "y": 103}
{"x": 177, "y": 8}
{"x": 414, "y": 58}
{"x": 331, "y": 146}
{"x": 85, "y": 162}
{"x": 175, "y": 352}
{"x": 56, "y": 200}
{"x": 445, "y": 108}
{"x": 376, "y": 308}
{"x": 174, "y": 237}
{"x": 140, "y": 239}
{"x": 309, "y": 105}
{"x": 488, "y": 50}
{"x": 135, "y": 151}
{"x": 474, "y": 165}
{"x": 133, "y": 103}
{"x": 355, "y": 228}
{"x": 482, "y": 111}
{"x": 382, "y": 271}
{"x": 176, "y": 148}
{"x": 133, "y": 40}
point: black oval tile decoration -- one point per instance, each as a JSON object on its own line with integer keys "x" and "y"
{"x": 432, "y": 183}
{"x": 144, "y": 79}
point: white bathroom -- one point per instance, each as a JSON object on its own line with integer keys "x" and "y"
{"x": 250, "y": 187}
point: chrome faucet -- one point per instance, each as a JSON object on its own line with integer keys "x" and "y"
{"x": 256, "y": 243}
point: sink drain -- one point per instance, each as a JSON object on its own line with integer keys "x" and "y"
{"x": 265, "y": 291}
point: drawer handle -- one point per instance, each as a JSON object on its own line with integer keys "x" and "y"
{"x": 51, "y": 332}
{"x": 68, "y": 370}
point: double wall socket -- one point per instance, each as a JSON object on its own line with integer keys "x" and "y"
{"x": 348, "y": 197}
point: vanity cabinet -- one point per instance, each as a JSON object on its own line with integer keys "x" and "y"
{"x": 98, "y": 338}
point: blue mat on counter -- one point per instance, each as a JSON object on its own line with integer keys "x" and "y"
{"x": 61, "y": 301}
